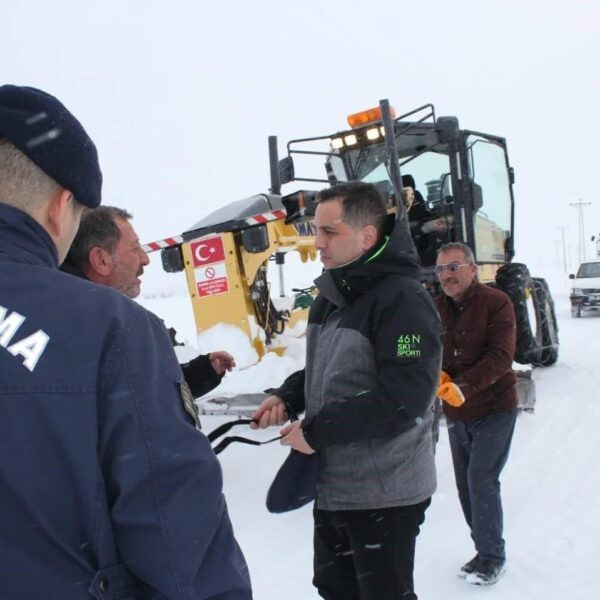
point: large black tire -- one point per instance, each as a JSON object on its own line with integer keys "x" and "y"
{"x": 548, "y": 323}
{"x": 514, "y": 279}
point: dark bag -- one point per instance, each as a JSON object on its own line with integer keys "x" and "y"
{"x": 295, "y": 483}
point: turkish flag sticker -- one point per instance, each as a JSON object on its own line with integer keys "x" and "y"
{"x": 208, "y": 251}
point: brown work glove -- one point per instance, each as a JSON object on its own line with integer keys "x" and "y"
{"x": 449, "y": 392}
{"x": 444, "y": 378}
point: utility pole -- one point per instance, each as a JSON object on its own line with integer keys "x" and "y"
{"x": 557, "y": 257}
{"x": 564, "y": 248}
{"x": 581, "y": 246}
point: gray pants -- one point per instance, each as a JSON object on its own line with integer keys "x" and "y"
{"x": 479, "y": 452}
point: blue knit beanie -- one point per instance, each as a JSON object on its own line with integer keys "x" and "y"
{"x": 51, "y": 137}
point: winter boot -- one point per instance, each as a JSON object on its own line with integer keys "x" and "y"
{"x": 469, "y": 567}
{"x": 487, "y": 572}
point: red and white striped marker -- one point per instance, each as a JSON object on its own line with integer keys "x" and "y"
{"x": 160, "y": 244}
{"x": 272, "y": 215}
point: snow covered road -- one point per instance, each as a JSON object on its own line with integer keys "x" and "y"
{"x": 550, "y": 490}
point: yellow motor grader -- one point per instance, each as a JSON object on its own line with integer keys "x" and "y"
{"x": 454, "y": 184}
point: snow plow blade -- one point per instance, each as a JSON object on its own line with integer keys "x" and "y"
{"x": 242, "y": 405}
{"x": 525, "y": 390}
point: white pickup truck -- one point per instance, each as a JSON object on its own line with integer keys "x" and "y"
{"x": 585, "y": 288}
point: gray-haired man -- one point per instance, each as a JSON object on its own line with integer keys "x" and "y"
{"x": 478, "y": 389}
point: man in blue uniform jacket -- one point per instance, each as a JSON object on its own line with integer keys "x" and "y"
{"x": 107, "y": 488}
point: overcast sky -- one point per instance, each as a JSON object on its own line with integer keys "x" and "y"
{"x": 180, "y": 96}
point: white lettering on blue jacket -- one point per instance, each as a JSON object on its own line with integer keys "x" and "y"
{"x": 30, "y": 348}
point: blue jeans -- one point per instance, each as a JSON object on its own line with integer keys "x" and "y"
{"x": 479, "y": 452}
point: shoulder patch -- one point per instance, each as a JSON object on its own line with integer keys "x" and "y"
{"x": 188, "y": 403}
{"x": 409, "y": 345}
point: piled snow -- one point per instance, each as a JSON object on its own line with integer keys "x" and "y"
{"x": 229, "y": 338}
{"x": 269, "y": 372}
{"x": 550, "y": 489}
{"x": 250, "y": 375}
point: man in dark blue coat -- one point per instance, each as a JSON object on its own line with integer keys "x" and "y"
{"x": 107, "y": 488}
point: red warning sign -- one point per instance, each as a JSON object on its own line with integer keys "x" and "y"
{"x": 208, "y": 251}
{"x": 212, "y": 280}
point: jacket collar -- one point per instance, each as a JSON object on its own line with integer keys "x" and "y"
{"x": 68, "y": 267}
{"x": 329, "y": 289}
{"x": 340, "y": 286}
{"x": 22, "y": 237}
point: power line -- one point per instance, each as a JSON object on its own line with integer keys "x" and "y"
{"x": 581, "y": 246}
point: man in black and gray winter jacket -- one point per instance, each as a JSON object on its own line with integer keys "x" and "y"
{"x": 373, "y": 359}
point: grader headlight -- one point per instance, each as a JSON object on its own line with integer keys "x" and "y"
{"x": 373, "y": 134}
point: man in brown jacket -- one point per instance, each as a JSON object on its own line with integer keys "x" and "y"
{"x": 478, "y": 389}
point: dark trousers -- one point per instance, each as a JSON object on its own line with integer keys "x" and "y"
{"x": 479, "y": 452}
{"x": 366, "y": 554}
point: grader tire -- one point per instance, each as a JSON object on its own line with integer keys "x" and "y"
{"x": 515, "y": 280}
{"x": 549, "y": 324}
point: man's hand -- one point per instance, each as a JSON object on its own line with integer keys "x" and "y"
{"x": 451, "y": 394}
{"x": 270, "y": 412}
{"x": 293, "y": 437}
{"x": 221, "y": 361}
